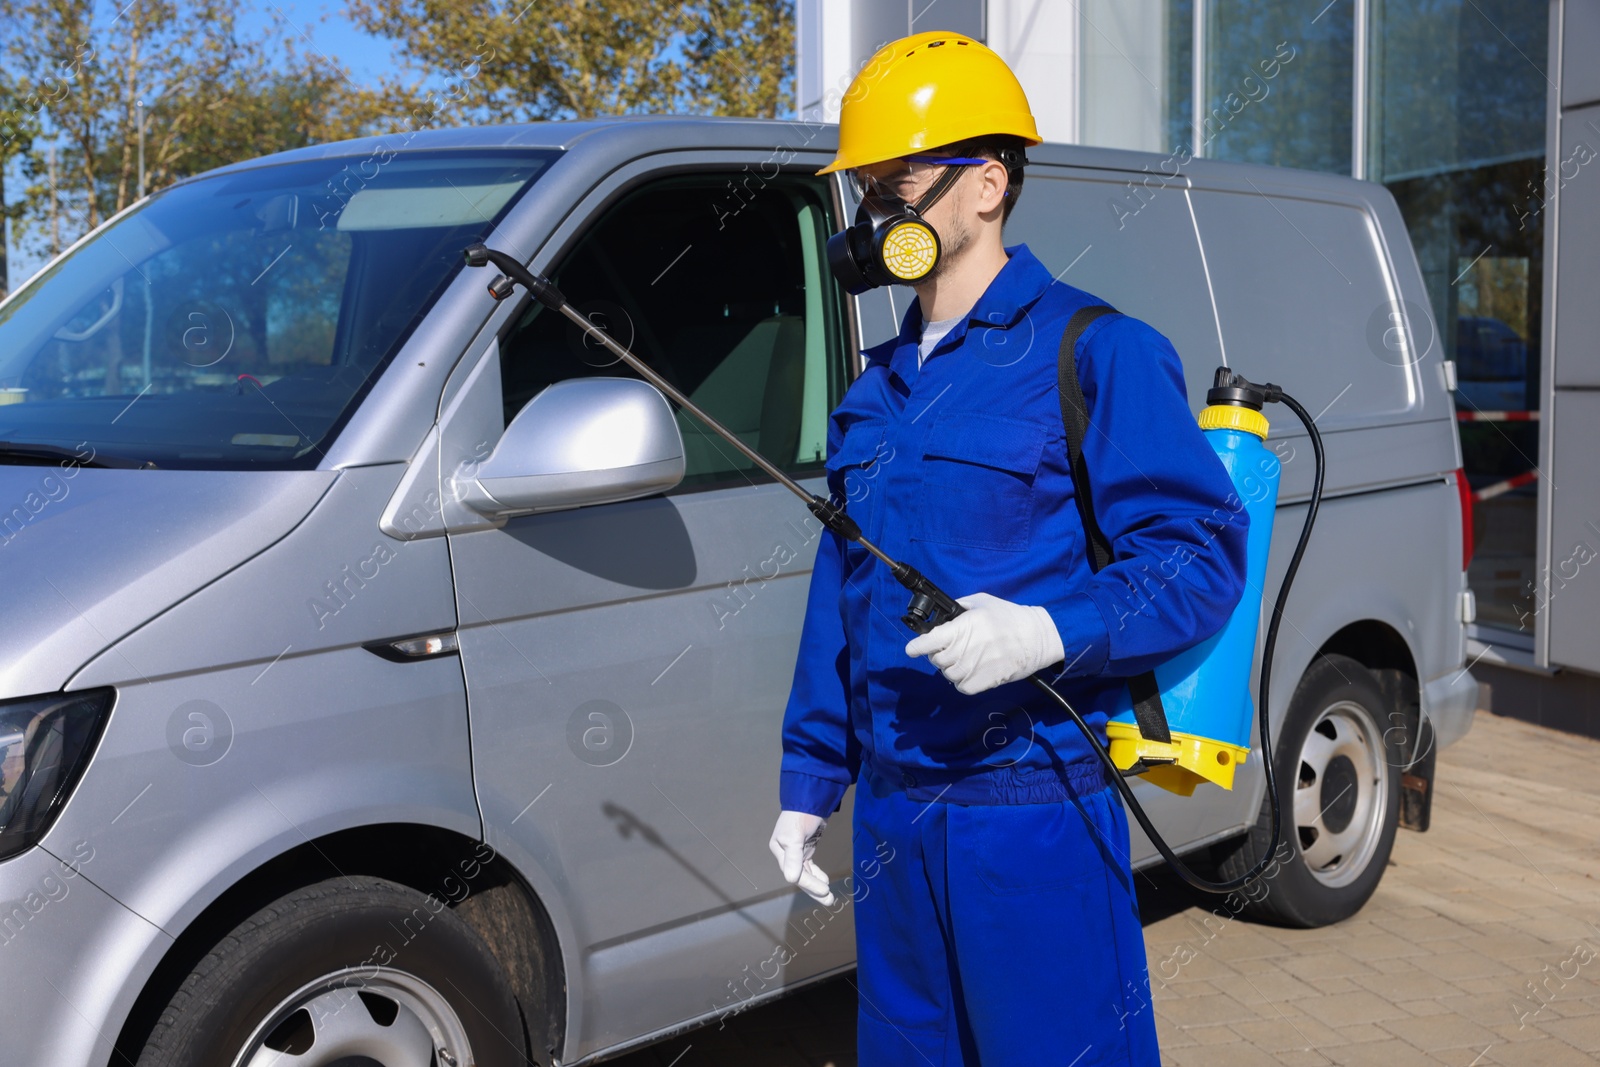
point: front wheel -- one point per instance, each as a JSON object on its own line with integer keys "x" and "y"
{"x": 348, "y": 971}
{"x": 1339, "y": 787}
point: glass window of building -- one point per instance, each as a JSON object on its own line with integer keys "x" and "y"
{"x": 1278, "y": 84}
{"x": 1138, "y": 73}
{"x": 1453, "y": 98}
{"x": 1456, "y": 131}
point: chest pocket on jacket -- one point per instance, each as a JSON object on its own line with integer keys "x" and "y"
{"x": 977, "y": 482}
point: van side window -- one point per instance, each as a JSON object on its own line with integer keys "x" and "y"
{"x": 1302, "y": 289}
{"x": 726, "y": 298}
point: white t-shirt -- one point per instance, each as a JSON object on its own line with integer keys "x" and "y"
{"x": 932, "y": 334}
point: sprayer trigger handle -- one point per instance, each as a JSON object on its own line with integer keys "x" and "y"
{"x": 920, "y": 614}
{"x": 930, "y": 606}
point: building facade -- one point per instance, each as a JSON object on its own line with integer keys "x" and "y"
{"x": 1466, "y": 112}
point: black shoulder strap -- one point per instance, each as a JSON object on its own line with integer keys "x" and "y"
{"x": 1147, "y": 709}
{"x": 1075, "y": 417}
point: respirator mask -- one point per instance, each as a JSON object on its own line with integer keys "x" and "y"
{"x": 891, "y": 242}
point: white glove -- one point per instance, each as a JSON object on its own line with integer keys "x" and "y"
{"x": 794, "y": 840}
{"x": 991, "y": 643}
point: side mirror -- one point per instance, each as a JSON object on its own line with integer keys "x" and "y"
{"x": 580, "y": 441}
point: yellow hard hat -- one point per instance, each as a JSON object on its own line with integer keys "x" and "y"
{"x": 924, "y": 91}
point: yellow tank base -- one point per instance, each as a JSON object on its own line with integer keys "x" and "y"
{"x": 1177, "y": 767}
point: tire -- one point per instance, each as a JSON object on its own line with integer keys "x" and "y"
{"x": 1339, "y": 783}
{"x": 350, "y": 970}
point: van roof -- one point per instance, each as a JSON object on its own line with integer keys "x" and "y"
{"x": 649, "y": 133}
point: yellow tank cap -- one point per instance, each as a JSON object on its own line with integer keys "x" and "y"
{"x": 1233, "y": 417}
{"x": 1180, "y": 766}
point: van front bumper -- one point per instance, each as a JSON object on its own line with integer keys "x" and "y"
{"x": 72, "y": 960}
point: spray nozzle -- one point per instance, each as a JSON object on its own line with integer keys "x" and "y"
{"x": 514, "y": 273}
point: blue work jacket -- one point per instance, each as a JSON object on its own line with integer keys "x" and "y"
{"x": 960, "y": 468}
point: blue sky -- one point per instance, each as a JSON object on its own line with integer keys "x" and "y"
{"x": 324, "y": 26}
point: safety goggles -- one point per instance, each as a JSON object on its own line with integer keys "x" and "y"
{"x": 913, "y": 176}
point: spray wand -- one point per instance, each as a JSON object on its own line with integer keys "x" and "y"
{"x": 930, "y": 606}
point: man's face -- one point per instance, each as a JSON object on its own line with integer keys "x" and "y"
{"x": 910, "y": 181}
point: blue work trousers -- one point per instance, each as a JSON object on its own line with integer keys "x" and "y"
{"x": 1004, "y": 935}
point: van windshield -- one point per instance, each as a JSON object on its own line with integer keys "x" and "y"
{"x": 233, "y": 321}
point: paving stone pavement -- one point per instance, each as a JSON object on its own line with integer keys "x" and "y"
{"x": 1480, "y": 947}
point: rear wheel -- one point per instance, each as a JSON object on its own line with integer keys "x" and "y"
{"x": 1339, "y": 786}
{"x": 350, "y": 972}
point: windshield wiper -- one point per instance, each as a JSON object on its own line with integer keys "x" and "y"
{"x": 19, "y": 450}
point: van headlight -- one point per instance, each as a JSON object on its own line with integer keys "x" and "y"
{"x": 44, "y": 744}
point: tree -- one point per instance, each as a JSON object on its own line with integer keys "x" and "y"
{"x": 268, "y": 108}
{"x": 586, "y": 58}
{"x": 209, "y": 96}
{"x": 17, "y": 129}
{"x": 72, "y": 83}
{"x": 18, "y": 126}
{"x": 742, "y": 56}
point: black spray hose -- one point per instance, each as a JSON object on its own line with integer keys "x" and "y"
{"x": 929, "y": 603}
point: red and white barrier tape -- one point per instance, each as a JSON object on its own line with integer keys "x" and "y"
{"x": 1488, "y": 491}
{"x": 1497, "y": 416}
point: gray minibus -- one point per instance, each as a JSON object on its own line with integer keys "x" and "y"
{"x": 386, "y": 672}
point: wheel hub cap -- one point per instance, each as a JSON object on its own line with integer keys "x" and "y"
{"x": 1341, "y": 793}
{"x": 359, "y": 1017}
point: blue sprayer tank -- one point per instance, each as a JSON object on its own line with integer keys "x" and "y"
{"x": 1205, "y": 689}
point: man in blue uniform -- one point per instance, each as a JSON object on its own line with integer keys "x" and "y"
{"x": 1000, "y": 924}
